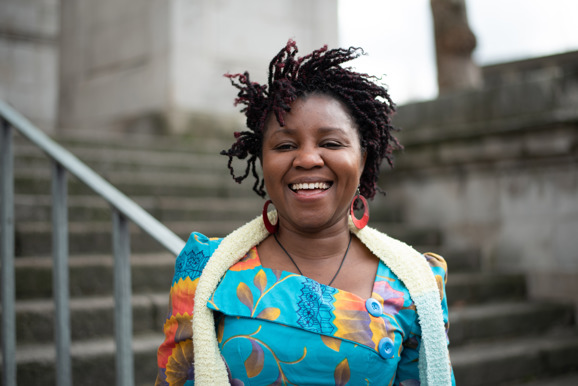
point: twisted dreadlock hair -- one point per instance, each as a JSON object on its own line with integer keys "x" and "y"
{"x": 292, "y": 77}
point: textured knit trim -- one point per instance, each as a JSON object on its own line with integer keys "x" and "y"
{"x": 408, "y": 264}
{"x": 414, "y": 271}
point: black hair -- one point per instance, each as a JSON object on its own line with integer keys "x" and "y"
{"x": 292, "y": 77}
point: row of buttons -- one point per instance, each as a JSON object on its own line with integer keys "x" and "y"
{"x": 385, "y": 346}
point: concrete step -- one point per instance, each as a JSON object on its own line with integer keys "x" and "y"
{"x": 90, "y": 317}
{"x": 174, "y": 183}
{"x": 205, "y": 144}
{"x": 109, "y": 159}
{"x": 93, "y": 362}
{"x": 461, "y": 260}
{"x": 513, "y": 360}
{"x": 92, "y": 276}
{"x": 505, "y": 320}
{"x": 38, "y": 208}
{"x": 35, "y": 239}
{"x": 554, "y": 380}
{"x": 463, "y": 289}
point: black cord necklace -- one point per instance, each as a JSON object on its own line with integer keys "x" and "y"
{"x": 296, "y": 266}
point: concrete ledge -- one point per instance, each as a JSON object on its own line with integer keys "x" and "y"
{"x": 510, "y": 107}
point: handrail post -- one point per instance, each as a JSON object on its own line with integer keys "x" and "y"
{"x": 122, "y": 300}
{"x": 7, "y": 241}
{"x": 60, "y": 277}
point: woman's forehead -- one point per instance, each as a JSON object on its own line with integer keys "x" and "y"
{"x": 322, "y": 110}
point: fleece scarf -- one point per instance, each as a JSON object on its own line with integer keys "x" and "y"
{"x": 405, "y": 262}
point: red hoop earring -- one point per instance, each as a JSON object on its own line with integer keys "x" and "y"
{"x": 362, "y": 222}
{"x": 271, "y": 228}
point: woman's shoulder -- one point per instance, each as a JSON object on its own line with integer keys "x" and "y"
{"x": 199, "y": 243}
{"x": 439, "y": 268}
{"x": 195, "y": 255}
{"x": 436, "y": 261}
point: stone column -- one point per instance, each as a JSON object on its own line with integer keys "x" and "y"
{"x": 157, "y": 65}
{"x": 454, "y": 43}
{"x": 29, "y": 57}
{"x": 115, "y": 59}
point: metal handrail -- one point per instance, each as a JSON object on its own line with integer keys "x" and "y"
{"x": 123, "y": 209}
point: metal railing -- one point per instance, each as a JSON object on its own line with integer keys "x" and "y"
{"x": 123, "y": 211}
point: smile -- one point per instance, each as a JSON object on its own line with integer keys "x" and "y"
{"x": 310, "y": 186}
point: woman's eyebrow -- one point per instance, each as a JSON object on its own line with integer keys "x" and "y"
{"x": 321, "y": 130}
{"x": 331, "y": 130}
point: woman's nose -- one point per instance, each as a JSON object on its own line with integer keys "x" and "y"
{"x": 308, "y": 158}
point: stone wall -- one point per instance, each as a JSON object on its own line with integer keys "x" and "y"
{"x": 497, "y": 171}
{"x": 28, "y": 58}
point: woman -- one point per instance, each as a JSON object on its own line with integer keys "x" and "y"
{"x": 308, "y": 294}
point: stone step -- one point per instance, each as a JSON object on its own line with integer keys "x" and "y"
{"x": 35, "y": 238}
{"x": 93, "y": 362}
{"x": 38, "y": 208}
{"x": 158, "y": 184}
{"x": 110, "y": 159}
{"x": 92, "y": 276}
{"x": 504, "y": 320}
{"x": 507, "y": 361}
{"x": 463, "y": 289}
{"x": 570, "y": 379}
{"x": 207, "y": 144}
{"x": 90, "y": 317}
{"x": 461, "y": 260}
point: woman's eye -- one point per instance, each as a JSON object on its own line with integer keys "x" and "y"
{"x": 284, "y": 146}
{"x": 332, "y": 145}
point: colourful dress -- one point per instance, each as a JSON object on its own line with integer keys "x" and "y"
{"x": 278, "y": 327}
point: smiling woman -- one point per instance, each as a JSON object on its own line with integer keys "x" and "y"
{"x": 307, "y": 294}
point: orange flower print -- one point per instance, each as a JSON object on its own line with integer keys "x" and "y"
{"x": 250, "y": 261}
{"x": 180, "y": 365}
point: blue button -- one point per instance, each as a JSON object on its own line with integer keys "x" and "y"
{"x": 373, "y": 306}
{"x": 385, "y": 348}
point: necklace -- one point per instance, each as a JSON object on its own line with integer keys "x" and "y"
{"x": 296, "y": 266}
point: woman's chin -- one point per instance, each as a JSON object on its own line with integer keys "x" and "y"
{"x": 314, "y": 223}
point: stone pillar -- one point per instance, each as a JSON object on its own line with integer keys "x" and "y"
{"x": 157, "y": 65}
{"x": 454, "y": 43}
{"x": 114, "y": 63}
{"x": 29, "y": 57}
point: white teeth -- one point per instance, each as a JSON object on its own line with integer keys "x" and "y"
{"x": 312, "y": 185}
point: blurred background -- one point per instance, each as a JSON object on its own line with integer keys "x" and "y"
{"x": 487, "y": 95}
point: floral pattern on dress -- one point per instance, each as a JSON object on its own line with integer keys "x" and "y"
{"x": 315, "y": 307}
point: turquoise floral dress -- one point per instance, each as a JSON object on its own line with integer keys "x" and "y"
{"x": 278, "y": 327}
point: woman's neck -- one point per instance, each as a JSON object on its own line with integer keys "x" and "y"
{"x": 315, "y": 246}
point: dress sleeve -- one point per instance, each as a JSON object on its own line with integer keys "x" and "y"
{"x": 175, "y": 354}
{"x": 407, "y": 370}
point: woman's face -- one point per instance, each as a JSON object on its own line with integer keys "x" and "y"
{"x": 313, "y": 164}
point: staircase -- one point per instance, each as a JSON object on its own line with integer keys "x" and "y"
{"x": 497, "y": 336}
